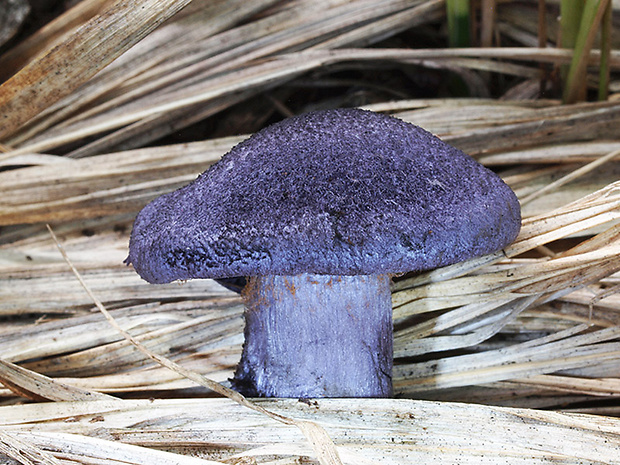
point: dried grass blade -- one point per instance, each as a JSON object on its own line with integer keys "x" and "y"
{"x": 408, "y": 344}
{"x": 266, "y": 74}
{"x": 590, "y": 211}
{"x": 17, "y": 56}
{"x": 36, "y": 386}
{"x": 584, "y": 152}
{"x": 571, "y": 176}
{"x": 24, "y": 452}
{"x": 73, "y": 448}
{"x": 137, "y": 71}
{"x": 142, "y": 132}
{"x": 398, "y": 20}
{"x": 540, "y": 278}
{"x": 93, "y": 46}
{"x": 385, "y": 431}
{"x": 320, "y": 441}
{"x": 521, "y": 360}
{"x": 594, "y": 387}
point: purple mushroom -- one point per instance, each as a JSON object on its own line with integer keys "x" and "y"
{"x": 319, "y": 211}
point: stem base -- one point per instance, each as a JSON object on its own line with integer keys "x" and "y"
{"x": 317, "y": 336}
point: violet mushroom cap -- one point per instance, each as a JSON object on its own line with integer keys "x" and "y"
{"x": 319, "y": 210}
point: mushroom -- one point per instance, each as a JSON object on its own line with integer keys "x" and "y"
{"x": 319, "y": 211}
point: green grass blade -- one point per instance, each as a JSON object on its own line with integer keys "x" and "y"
{"x": 570, "y": 20}
{"x": 590, "y": 19}
{"x": 603, "y": 83}
{"x": 458, "y": 23}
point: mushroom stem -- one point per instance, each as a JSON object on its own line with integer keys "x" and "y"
{"x": 317, "y": 336}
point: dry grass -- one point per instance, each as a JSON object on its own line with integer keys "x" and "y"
{"x": 85, "y": 108}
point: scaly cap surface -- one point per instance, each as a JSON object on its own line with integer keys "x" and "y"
{"x": 338, "y": 192}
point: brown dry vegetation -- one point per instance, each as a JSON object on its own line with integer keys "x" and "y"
{"x": 509, "y": 358}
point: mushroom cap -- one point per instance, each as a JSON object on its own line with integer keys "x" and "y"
{"x": 339, "y": 192}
